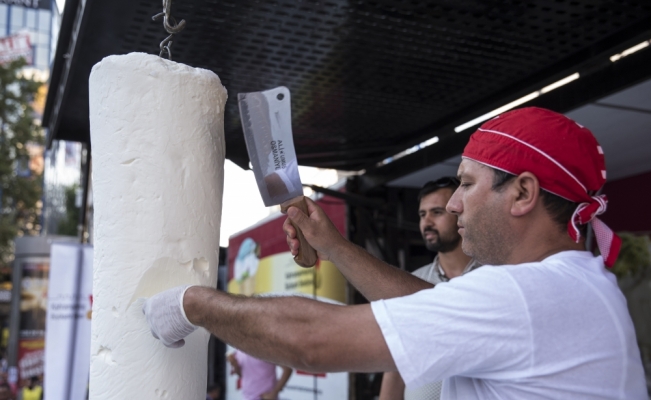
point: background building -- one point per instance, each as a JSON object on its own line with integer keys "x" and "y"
{"x": 35, "y": 23}
{"x": 34, "y": 17}
{"x": 28, "y": 29}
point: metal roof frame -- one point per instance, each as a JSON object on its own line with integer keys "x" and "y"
{"x": 369, "y": 79}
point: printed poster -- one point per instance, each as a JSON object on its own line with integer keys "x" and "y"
{"x": 260, "y": 263}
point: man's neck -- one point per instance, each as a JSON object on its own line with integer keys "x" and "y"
{"x": 539, "y": 254}
{"x": 540, "y": 239}
{"x": 454, "y": 262}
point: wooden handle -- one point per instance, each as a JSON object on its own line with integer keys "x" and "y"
{"x": 306, "y": 256}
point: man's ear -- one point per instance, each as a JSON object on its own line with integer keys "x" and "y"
{"x": 526, "y": 193}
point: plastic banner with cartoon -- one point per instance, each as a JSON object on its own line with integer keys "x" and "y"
{"x": 259, "y": 263}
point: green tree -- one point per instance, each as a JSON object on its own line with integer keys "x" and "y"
{"x": 68, "y": 226}
{"x": 20, "y": 187}
{"x": 633, "y": 262}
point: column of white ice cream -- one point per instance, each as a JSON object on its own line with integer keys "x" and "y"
{"x": 157, "y": 138}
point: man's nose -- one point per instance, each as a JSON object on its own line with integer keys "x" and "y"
{"x": 454, "y": 204}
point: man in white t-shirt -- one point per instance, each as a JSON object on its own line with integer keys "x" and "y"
{"x": 542, "y": 319}
{"x": 439, "y": 230}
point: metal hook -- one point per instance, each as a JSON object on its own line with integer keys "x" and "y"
{"x": 173, "y": 28}
{"x": 166, "y": 47}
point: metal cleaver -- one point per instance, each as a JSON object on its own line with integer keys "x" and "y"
{"x": 267, "y": 124}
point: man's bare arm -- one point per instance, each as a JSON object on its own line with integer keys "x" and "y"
{"x": 374, "y": 278}
{"x": 393, "y": 387}
{"x": 293, "y": 331}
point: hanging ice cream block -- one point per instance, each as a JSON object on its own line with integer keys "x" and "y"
{"x": 157, "y": 138}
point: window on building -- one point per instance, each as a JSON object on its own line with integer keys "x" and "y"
{"x": 31, "y": 19}
{"x": 17, "y": 18}
{"x": 44, "y": 19}
{"x": 43, "y": 39}
{"x": 41, "y": 60}
{"x": 3, "y": 19}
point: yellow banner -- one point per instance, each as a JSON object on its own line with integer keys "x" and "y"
{"x": 37, "y": 344}
{"x": 279, "y": 274}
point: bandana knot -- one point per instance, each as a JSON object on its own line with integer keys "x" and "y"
{"x": 586, "y": 212}
{"x": 608, "y": 243}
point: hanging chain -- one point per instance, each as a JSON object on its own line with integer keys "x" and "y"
{"x": 170, "y": 26}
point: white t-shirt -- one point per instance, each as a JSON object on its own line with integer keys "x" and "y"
{"x": 556, "y": 329}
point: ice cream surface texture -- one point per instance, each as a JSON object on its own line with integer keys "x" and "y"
{"x": 157, "y": 139}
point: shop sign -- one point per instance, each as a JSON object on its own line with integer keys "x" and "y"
{"x": 33, "y": 304}
{"x": 33, "y": 299}
{"x": 16, "y": 46}
{"x": 42, "y": 4}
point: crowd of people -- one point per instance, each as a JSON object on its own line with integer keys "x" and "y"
{"x": 28, "y": 388}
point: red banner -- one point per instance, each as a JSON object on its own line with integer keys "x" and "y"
{"x": 30, "y": 358}
{"x": 16, "y": 46}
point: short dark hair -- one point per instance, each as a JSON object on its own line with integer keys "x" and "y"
{"x": 560, "y": 209}
{"x": 441, "y": 183}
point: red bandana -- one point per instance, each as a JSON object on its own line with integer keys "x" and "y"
{"x": 564, "y": 156}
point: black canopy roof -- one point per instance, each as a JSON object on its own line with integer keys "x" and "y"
{"x": 368, "y": 78}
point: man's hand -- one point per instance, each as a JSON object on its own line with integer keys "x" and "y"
{"x": 166, "y": 317}
{"x": 317, "y": 228}
{"x": 235, "y": 366}
{"x": 269, "y": 396}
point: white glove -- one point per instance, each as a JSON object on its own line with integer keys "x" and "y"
{"x": 166, "y": 317}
